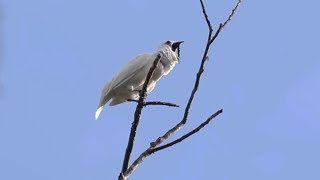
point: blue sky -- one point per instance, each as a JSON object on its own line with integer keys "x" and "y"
{"x": 263, "y": 71}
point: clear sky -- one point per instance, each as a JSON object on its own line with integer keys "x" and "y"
{"x": 264, "y": 71}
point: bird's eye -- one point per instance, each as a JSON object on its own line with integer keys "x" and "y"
{"x": 168, "y": 42}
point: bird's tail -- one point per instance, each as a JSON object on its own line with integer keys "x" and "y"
{"x": 98, "y": 112}
{"x": 105, "y": 97}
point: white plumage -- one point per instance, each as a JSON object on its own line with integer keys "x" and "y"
{"x": 131, "y": 77}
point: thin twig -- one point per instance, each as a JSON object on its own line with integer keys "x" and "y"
{"x": 155, "y": 103}
{"x": 137, "y": 115}
{"x": 231, "y": 14}
{"x": 206, "y": 16}
{"x": 160, "y": 103}
{"x": 202, "y": 125}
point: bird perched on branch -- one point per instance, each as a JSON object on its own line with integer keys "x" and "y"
{"x": 125, "y": 85}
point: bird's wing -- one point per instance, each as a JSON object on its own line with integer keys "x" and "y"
{"x": 129, "y": 70}
{"x": 125, "y": 74}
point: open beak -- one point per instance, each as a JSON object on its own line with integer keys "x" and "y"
{"x": 177, "y": 43}
{"x": 176, "y": 48}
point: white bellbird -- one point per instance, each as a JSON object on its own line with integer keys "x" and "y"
{"x": 125, "y": 85}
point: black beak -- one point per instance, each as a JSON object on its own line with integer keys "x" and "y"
{"x": 175, "y": 45}
{"x": 176, "y": 48}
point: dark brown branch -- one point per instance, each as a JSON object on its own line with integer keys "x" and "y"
{"x": 206, "y": 16}
{"x": 231, "y": 14}
{"x": 160, "y": 103}
{"x": 154, "y": 103}
{"x": 152, "y": 150}
{"x": 137, "y": 115}
{"x": 214, "y": 37}
{"x": 195, "y": 86}
{"x": 195, "y": 130}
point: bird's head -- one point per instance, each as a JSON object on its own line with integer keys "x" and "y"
{"x": 172, "y": 48}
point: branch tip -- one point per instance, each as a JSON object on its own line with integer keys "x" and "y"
{"x": 231, "y": 14}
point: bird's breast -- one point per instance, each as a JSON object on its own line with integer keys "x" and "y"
{"x": 167, "y": 65}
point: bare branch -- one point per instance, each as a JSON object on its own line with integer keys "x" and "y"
{"x": 154, "y": 103}
{"x": 137, "y": 115}
{"x": 152, "y": 150}
{"x": 196, "y": 84}
{"x": 206, "y": 16}
{"x": 195, "y": 130}
{"x": 214, "y": 36}
{"x": 160, "y": 103}
{"x": 231, "y": 14}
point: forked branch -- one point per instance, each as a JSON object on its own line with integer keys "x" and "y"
{"x": 155, "y": 146}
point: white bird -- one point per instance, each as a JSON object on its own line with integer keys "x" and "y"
{"x": 125, "y": 85}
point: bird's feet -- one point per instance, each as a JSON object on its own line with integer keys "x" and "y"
{"x": 132, "y": 100}
{"x": 137, "y": 90}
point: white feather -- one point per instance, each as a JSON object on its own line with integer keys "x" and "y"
{"x": 131, "y": 77}
{"x": 98, "y": 112}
